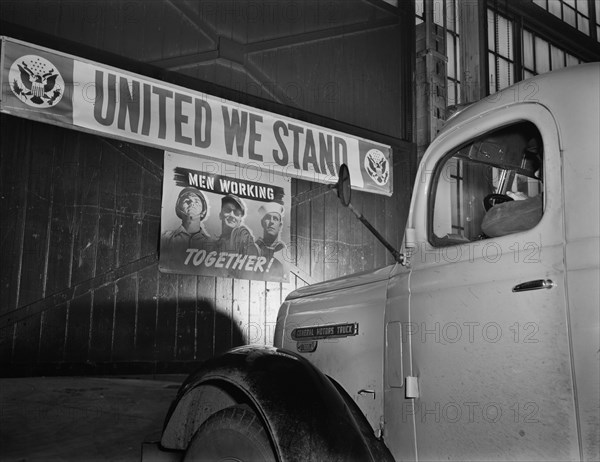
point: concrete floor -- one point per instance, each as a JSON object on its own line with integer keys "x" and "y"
{"x": 82, "y": 418}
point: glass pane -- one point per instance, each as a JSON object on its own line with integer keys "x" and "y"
{"x": 571, "y": 3}
{"x": 450, "y": 16}
{"x": 491, "y": 28}
{"x": 457, "y": 58}
{"x": 554, "y": 7}
{"x": 504, "y": 37}
{"x": 451, "y": 55}
{"x": 541, "y": 3}
{"x": 558, "y": 57}
{"x": 528, "y": 49}
{"x": 451, "y": 93}
{"x": 582, "y": 7}
{"x": 584, "y": 25}
{"x": 541, "y": 56}
{"x": 505, "y": 74}
{"x": 489, "y": 188}
{"x": 570, "y": 17}
{"x": 438, "y": 13}
{"x": 527, "y": 74}
{"x": 419, "y": 8}
{"x": 456, "y": 23}
{"x": 492, "y": 70}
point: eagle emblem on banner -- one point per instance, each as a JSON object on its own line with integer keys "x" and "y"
{"x": 377, "y": 166}
{"x": 36, "y": 81}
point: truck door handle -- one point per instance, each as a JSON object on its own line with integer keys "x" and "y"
{"x": 534, "y": 285}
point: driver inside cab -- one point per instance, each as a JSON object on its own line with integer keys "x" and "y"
{"x": 521, "y": 208}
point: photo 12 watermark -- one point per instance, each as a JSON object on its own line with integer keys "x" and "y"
{"x": 471, "y": 412}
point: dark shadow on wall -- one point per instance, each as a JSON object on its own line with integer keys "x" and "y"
{"x": 154, "y": 337}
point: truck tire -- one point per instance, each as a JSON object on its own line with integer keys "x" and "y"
{"x": 231, "y": 434}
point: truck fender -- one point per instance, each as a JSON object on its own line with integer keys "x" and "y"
{"x": 306, "y": 415}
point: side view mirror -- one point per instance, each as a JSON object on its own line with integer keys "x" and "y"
{"x": 344, "y": 190}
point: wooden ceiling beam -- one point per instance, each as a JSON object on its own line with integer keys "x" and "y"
{"x": 321, "y": 35}
{"x": 201, "y": 25}
{"x": 185, "y": 61}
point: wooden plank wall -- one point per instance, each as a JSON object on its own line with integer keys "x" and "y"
{"x": 80, "y": 282}
{"x": 80, "y": 288}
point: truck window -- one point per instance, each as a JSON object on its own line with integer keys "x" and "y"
{"x": 490, "y": 187}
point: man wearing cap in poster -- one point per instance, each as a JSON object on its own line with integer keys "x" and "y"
{"x": 271, "y": 221}
{"x": 191, "y": 207}
{"x": 235, "y": 236}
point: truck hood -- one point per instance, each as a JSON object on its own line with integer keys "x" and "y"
{"x": 342, "y": 283}
{"x": 338, "y": 326}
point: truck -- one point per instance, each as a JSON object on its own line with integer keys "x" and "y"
{"x": 480, "y": 343}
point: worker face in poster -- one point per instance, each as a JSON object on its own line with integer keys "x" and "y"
{"x": 191, "y": 208}
{"x": 271, "y": 224}
{"x": 232, "y": 213}
{"x": 235, "y": 236}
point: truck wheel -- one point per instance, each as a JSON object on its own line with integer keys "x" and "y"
{"x": 234, "y": 434}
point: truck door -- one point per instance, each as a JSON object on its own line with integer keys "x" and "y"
{"x": 488, "y": 318}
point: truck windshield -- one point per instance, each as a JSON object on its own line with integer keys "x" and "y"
{"x": 490, "y": 187}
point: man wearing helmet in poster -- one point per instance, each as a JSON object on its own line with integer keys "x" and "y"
{"x": 191, "y": 207}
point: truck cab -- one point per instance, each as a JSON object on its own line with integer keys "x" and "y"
{"x": 482, "y": 343}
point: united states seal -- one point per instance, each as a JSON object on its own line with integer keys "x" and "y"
{"x": 36, "y": 81}
{"x": 377, "y": 167}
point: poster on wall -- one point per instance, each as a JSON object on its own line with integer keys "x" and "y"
{"x": 224, "y": 222}
{"x": 60, "y": 89}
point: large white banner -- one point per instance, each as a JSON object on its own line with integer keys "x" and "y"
{"x": 57, "y": 88}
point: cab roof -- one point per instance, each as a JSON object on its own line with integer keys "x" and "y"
{"x": 565, "y": 92}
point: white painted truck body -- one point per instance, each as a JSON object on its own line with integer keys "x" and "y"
{"x": 451, "y": 358}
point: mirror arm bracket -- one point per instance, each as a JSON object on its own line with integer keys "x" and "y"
{"x": 344, "y": 192}
{"x": 397, "y": 255}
